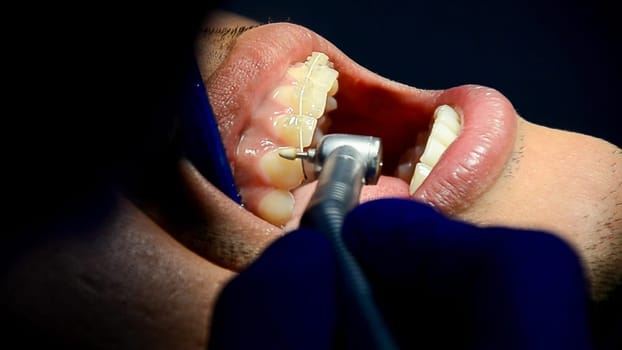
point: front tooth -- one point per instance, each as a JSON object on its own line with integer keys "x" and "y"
{"x": 276, "y": 207}
{"x": 448, "y": 117}
{"x": 298, "y": 71}
{"x": 433, "y": 151}
{"x": 281, "y": 173}
{"x": 312, "y": 103}
{"x": 444, "y": 132}
{"x": 302, "y": 100}
{"x": 311, "y": 83}
{"x": 421, "y": 173}
{"x": 287, "y": 95}
{"x": 334, "y": 89}
{"x": 295, "y": 130}
{"x": 331, "y": 104}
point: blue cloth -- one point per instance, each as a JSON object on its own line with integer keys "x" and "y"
{"x": 438, "y": 282}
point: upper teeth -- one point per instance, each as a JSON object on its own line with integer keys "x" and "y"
{"x": 444, "y": 131}
{"x": 315, "y": 79}
{"x": 302, "y": 101}
{"x": 311, "y": 82}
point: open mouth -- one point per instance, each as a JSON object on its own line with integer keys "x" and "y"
{"x": 284, "y": 86}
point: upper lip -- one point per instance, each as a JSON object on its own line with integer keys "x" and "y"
{"x": 372, "y": 105}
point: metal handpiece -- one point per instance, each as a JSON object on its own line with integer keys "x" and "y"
{"x": 369, "y": 149}
{"x": 344, "y": 164}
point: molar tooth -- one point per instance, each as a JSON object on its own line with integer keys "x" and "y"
{"x": 280, "y": 172}
{"x": 276, "y": 207}
{"x": 421, "y": 173}
{"x": 296, "y": 130}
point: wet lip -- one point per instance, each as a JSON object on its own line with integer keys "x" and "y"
{"x": 371, "y": 105}
{"x": 479, "y": 154}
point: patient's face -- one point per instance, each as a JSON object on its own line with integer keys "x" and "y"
{"x": 140, "y": 282}
{"x": 463, "y": 150}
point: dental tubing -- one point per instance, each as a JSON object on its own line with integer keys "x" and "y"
{"x": 345, "y": 163}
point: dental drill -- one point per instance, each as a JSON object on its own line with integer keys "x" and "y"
{"x": 343, "y": 163}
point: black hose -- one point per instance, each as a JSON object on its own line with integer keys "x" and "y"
{"x": 338, "y": 191}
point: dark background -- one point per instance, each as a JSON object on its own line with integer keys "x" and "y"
{"x": 557, "y": 61}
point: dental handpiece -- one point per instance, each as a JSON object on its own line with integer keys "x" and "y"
{"x": 343, "y": 164}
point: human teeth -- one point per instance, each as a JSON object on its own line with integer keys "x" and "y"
{"x": 312, "y": 82}
{"x": 276, "y": 207}
{"x": 444, "y": 131}
{"x": 312, "y": 103}
{"x": 331, "y": 104}
{"x": 295, "y": 130}
{"x": 421, "y": 173}
{"x": 449, "y": 117}
{"x": 302, "y": 100}
{"x": 433, "y": 151}
{"x": 334, "y": 89}
{"x": 443, "y": 134}
{"x": 281, "y": 173}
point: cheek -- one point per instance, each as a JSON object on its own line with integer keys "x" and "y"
{"x": 556, "y": 181}
{"x": 566, "y": 184}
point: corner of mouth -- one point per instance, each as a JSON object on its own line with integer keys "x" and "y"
{"x": 478, "y": 156}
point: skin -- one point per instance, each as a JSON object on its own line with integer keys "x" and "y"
{"x": 585, "y": 212}
{"x": 149, "y": 277}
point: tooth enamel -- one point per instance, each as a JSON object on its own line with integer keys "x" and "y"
{"x": 298, "y": 71}
{"x": 448, "y": 117}
{"x": 281, "y": 173}
{"x": 313, "y": 81}
{"x": 334, "y": 89}
{"x": 444, "y": 132}
{"x": 421, "y": 173}
{"x": 295, "y": 130}
{"x": 312, "y": 103}
{"x": 433, "y": 152}
{"x": 288, "y": 96}
{"x": 276, "y": 206}
{"x": 331, "y": 104}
